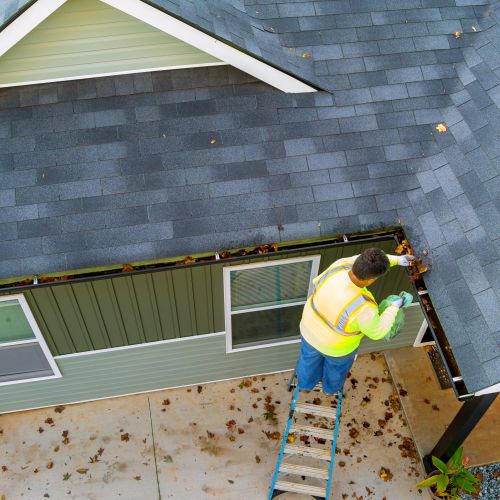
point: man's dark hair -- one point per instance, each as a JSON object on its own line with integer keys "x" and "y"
{"x": 372, "y": 263}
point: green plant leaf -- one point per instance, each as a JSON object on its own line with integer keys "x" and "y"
{"x": 427, "y": 483}
{"x": 456, "y": 460}
{"x": 470, "y": 477}
{"x": 440, "y": 465}
{"x": 465, "y": 485}
{"x": 442, "y": 483}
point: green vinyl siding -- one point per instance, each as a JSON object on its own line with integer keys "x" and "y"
{"x": 162, "y": 305}
{"x": 88, "y": 37}
{"x": 158, "y": 366}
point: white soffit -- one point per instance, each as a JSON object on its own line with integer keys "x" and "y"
{"x": 42, "y": 9}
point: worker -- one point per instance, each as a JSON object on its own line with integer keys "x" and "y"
{"x": 338, "y": 313}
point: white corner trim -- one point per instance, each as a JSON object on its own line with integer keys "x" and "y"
{"x": 488, "y": 390}
{"x": 28, "y": 20}
{"x": 139, "y": 346}
{"x": 421, "y": 332}
{"x": 212, "y": 46}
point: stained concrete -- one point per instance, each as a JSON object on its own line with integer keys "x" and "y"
{"x": 203, "y": 442}
{"x": 430, "y": 409}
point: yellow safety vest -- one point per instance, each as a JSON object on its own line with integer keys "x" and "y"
{"x": 330, "y": 309}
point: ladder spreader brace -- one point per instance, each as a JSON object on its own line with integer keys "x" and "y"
{"x": 318, "y": 492}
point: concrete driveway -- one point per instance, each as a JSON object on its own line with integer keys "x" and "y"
{"x": 203, "y": 442}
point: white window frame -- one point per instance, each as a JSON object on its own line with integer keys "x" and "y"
{"x": 38, "y": 338}
{"x": 315, "y": 259}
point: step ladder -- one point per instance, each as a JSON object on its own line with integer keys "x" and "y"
{"x": 324, "y": 456}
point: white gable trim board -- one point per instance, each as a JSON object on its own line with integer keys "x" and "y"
{"x": 42, "y": 9}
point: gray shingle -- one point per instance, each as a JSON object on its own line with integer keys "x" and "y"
{"x": 402, "y": 151}
{"x": 326, "y": 160}
{"x": 448, "y": 181}
{"x": 295, "y": 147}
{"x": 473, "y": 273}
{"x": 489, "y": 305}
{"x": 335, "y": 191}
{"x": 457, "y": 242}
{"x": 287, "y": 165}
{"x": 478, "y": 333}
{"x": 464, "y": 212}
{"x": 404, "y": 75}
{"x": 432, "y": 230}
{"x": 356, "y": 206}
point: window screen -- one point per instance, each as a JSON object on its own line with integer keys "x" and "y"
{"x": 13, "y": 323}
{"x": 264, "y": 301}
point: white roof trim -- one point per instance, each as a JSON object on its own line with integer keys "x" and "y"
{"x": 488, "y": 390}
{"x": 216, "y": 48}
{"x": 28, "y": 20}
{"x": 42, "y": 9}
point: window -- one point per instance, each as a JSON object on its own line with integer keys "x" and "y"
{"x": 264, "y": 301}
{"x": 24, "y": 355}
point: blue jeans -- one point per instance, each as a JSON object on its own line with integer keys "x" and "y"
{"x": 314, "y": 366}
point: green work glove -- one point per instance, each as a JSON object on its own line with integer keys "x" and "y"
{"x": 395, "y": 300}
{"x": 407, "y": 299}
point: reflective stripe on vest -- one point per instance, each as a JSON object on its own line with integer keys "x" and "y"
{"x": 343, "y": 317}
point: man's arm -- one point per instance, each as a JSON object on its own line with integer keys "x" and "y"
{"x": 372, "y": 324}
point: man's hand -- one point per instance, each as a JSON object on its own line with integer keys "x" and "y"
{"x": 405, "y": 260}
{"x": 398, "y": 303}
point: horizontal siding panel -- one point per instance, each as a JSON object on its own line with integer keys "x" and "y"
{"x": 86, "y": 37}
{"x": 152, "y": 367}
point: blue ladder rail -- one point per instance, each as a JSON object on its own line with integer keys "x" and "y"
{"x": 277, "y": 487}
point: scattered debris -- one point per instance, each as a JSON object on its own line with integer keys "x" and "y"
{"x": 65, "y": 437}
{"x": 125, "y": 437}
{"x": 272, "y": 435}
{"x": 66, "y": 476}
{"x": 457, "y": 34}
{"x": 257, "y": 459}
{"x": 353, "y": 432}
{"x": 59, "y": 409}
{"x": 385, "y": 474}
{"x": 441, "y": 128}
{"x": 82, "y": 470}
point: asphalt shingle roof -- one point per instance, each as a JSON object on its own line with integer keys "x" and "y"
{"x": 144, "y": 166}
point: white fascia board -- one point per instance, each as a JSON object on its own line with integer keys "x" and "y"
{"x": 488, "y": 390}
{"x": 28, "y": 20}
{"x": 210, "y": 45}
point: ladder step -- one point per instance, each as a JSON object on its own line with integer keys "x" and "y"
{"x": 321, "y": 411}
{"x": 309, "y": 430}
{"x": 297, "y": 449}
{"x": 315, "y": 491}
{"x": 300, "y": 470}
